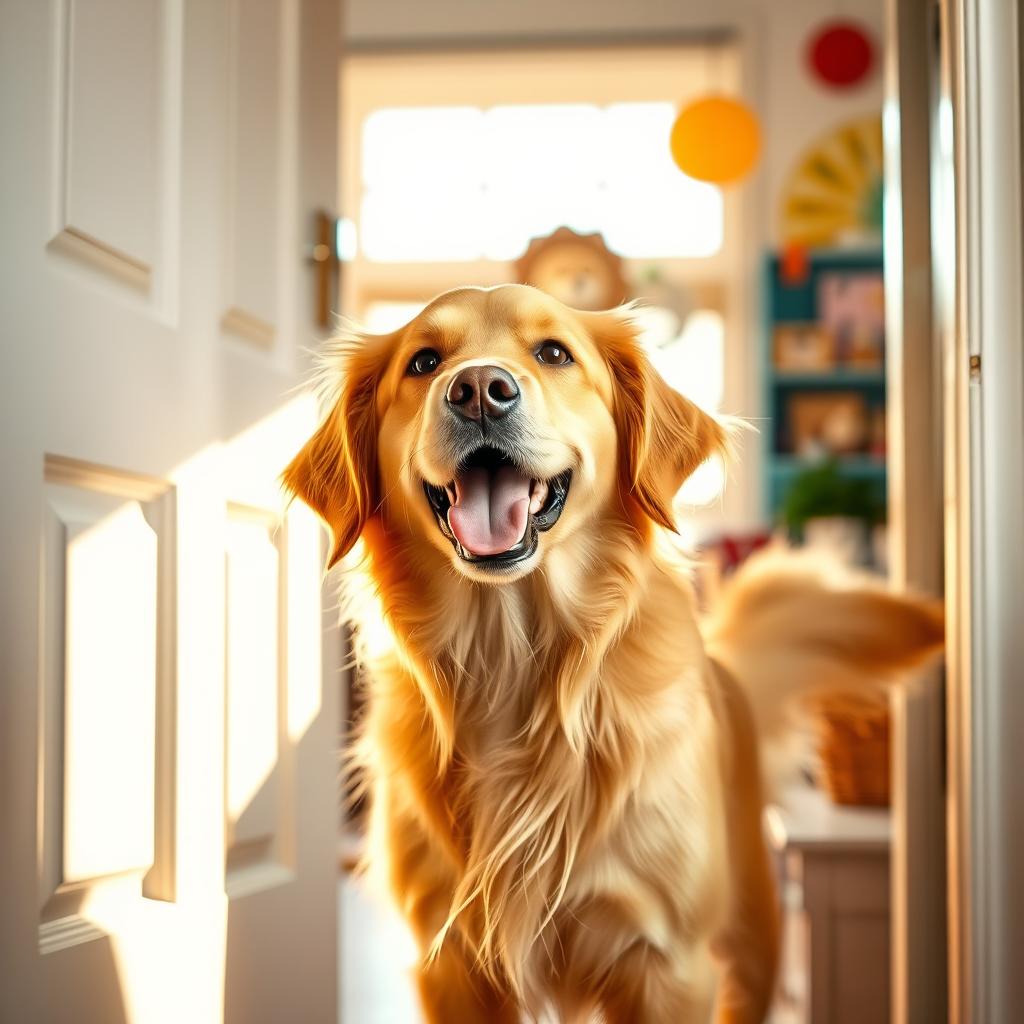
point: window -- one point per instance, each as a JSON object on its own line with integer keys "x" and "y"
{"x": 453, "y": 184}
{"x": 692, "y": 360}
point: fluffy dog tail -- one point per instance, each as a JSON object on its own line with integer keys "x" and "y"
{"x": 794, "y": 624}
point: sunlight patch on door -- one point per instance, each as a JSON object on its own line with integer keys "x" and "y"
{"x": 252, "y": 673}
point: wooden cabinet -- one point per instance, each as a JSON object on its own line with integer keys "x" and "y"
{"x": 834, "y": 880}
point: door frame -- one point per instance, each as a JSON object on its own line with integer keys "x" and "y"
{"x": 915, "y": 512}
{"x": 955, "y": 290}
{"x": 982, "y": 293}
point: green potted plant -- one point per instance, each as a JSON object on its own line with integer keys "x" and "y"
{"x": 823, "y": 506}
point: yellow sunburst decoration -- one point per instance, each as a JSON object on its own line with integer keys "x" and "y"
{"x": 834, "y": 193}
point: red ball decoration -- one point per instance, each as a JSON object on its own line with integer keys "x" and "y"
{"x": 841, "y": 54}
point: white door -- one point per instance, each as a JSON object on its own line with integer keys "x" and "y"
{"x": 167, "y": 788}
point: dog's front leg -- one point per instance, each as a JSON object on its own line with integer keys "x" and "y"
{"x": 650, "y": 986}
{"x": 452, "y": 992}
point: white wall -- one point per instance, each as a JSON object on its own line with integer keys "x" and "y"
{"x": 795, "y": 110}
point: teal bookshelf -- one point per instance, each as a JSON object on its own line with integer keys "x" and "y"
{"x": 785, "y": 303}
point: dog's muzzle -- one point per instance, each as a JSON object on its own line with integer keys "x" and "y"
{"x": 493, "y": 511}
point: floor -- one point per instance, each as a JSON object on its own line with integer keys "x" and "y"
{"x": 376, "y": 955}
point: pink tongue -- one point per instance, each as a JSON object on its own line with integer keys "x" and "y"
{"x": 490, "y": 510}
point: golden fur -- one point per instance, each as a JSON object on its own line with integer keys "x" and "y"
{"x": 565, "y": 787}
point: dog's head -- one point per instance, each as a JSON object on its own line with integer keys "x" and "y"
{"x": 496, "y": 425}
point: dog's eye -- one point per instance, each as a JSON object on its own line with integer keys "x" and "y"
{"x": 425, "y": 361}
{"x": 554, "y": 353}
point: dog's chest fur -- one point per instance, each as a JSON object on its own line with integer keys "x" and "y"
{"x": 533, "y": 744}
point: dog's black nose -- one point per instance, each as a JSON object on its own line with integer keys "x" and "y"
{"x": 483, "y": 391}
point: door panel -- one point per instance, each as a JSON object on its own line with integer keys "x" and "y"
{"x": 278, "y": 741}
{"x": 262, "y": 42}
{"x": 107, "y": 631}
{"x": 115, "y": 174}
{"x": 281, "y": 811}
{"x": 165, "y": 734}
{"x": 260, "y": 784}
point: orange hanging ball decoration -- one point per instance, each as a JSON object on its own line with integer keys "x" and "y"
{"x": 716, "y": 139}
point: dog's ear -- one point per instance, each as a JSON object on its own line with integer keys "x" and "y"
{"x": 336, "y": 472}
{"x": 663, "y": 437}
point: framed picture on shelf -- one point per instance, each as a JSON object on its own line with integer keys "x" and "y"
{"x": 828, "y": 423}
{"x": 851, "y": 308}
{"x": 803, "y": 347}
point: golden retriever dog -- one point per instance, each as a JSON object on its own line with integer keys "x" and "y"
{"x": 563, "y": 771}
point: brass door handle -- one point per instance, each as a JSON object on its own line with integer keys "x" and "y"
{"x": 324, "y": 256}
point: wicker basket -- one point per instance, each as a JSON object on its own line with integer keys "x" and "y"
{"x": 853, "y": 743}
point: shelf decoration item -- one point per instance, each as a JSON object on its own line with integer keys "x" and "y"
{"x": 852, "y": 310}
{"x": 841, "y": 54}
{"x": 825, "y": 423}
{"x": 824, "y": 391}
{"x": 657, "y": 290}
{"x": 822, "y": 492}
{"x": 579, "y": 270}
{"x": 803, "y": 347}
{"x": 833, "y": 196}
{"x": 853, "y": 747}
{"x": 794, "y": 265}
{"x": 716, "y": 139}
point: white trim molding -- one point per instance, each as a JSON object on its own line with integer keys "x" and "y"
{"x": 984, "y": 363}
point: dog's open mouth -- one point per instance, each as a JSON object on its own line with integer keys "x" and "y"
{"x": 492, "y": 511}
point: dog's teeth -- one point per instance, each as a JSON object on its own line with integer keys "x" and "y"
{"x": 538, "y": 495}
{"x": 450, "y": 491}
